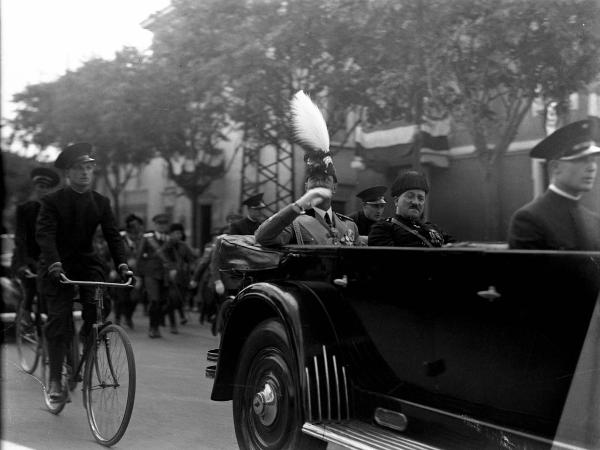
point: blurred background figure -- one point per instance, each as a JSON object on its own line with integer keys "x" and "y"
{"x": 207, "y": 281}
{"x": 152, "y": 266}
{"x": 180, "y": 259}
{"x": 27, "y": 251}
{"x": 127, "y": 299}
{"x": 255, "y": 215}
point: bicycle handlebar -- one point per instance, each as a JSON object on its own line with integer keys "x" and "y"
{"x": 65, "y": 280}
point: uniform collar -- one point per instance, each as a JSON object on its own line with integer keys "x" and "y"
{"x": 562, "y": 193}
{"x": 321, "y": 212}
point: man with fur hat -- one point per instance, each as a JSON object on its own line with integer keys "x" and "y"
{"x": 373, "y": 205}
{"x": 255, "y": 215}
{"x": 407, "y": 228}
{"x": 310, "y": 220}
{"x": 66, "y": 225}
{"x": 27, "y": 251}
{"x": 556, "y": 220}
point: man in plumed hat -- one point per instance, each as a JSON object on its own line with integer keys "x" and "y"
{"x": 310, "y": 220}
{"x": 255, "y": 215}
{"x": 27, "y": 251}
{"x": 407, "y": 228}
{"x": 373, "y": 205}
{"x": 556, "y": 220}
{"x": 65, "y": 230}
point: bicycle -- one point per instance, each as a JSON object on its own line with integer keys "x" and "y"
{"x": 109, "y": 377}
{"x": 107, "y": 362}
{"x": 31, "y": 343}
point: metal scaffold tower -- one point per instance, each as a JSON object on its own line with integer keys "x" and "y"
{"x": 269, "y": 170}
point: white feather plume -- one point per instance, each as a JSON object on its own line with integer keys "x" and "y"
{"x": 308, "y": 125}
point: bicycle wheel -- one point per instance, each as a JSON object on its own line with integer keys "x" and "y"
{"x": 28, "y": 338}
{"x": 55, "y": 407}
{"x": 109, "y": 385}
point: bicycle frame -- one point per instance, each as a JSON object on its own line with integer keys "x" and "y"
{"x": 100, "y": 287}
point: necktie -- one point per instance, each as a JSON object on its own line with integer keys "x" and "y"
{"x": 327, "y": 219}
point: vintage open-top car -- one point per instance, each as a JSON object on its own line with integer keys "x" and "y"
{"x": 475, "y": 346}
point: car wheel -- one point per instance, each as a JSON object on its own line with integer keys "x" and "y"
{"x": 267, "y": 402}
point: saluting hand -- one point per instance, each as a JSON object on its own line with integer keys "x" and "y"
{"x": 314, "y": 197}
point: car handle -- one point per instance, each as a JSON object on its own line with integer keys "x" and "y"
{"x": 341, "y": 282}
{"x": 490, "y": 293}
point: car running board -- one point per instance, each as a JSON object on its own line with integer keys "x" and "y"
{"x": 358, "y": 435}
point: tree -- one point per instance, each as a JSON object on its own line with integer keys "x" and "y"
{"x": 97, "y": 103}
{"x": 498, "y": 56}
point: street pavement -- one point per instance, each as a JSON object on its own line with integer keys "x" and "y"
{"x": 172, "y": 407}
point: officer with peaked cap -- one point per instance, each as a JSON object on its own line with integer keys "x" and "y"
{"x": 373, "y": 205}
{"x": 556, "y": 220}
{"x": 407, "y": 228}
{"x": 27, "y": 252}
{"x": 310, "y": 220}
{"x": 255, "y": 215}
{"x": 65, "y": 230}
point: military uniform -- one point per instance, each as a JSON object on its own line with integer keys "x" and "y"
{"x": 247, "y": 225}
{"x": 401, "y": 232}
{"x": 362, "y": 222}
{"x": 243, "y": 226}
{"x": 289, "y": 226}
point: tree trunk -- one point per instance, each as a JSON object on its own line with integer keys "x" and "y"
{"x": 493, "y": 201}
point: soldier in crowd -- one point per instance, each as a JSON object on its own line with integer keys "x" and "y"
{"x": 407, "y": 228}
{"x": 310, "y": 219}
{"x": 255, "y": 215}
{"x": 556, "y": 220}
{"x": 152, "y": 266}
{"x": 180, "y": 258}
{"x": 66, "y": 225}
{"x": 127, "y": 299}
{"x": 373, "y": 205}
{"x": 27, "y": 251}
{"x": 208, "y": 282}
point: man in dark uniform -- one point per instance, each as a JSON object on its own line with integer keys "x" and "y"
{"x": 66, "y": 225}
{"x": 373, "y": 205}
{"x": 27, "y": 251}
{"x": 254, "y": 216}
{"x": 152, "y": 265}
{"x": 407, "y": 228}
{"x": 556, "y": 220}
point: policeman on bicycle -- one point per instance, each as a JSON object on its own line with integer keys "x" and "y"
{"x": 65, "y": 229}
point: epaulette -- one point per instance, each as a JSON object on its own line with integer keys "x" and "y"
{"x": 148, "y": 235}
{"x": 343, "y": 217}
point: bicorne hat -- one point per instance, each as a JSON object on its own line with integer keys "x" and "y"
{"x": 373, "y": 195}
{"x": 79, "y": 152}
{"x": 573, "y": 141}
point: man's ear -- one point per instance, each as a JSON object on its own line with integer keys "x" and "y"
{"x": 333, "y": 188}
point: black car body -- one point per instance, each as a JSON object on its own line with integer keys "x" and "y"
{"x": 473, "y": 347}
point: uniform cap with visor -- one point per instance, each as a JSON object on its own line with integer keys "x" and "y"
{"x": 44, "y": 176}
{"x": 373, "y": 195}
{"x": 77, "y": 153}
{"x": 573, "y": 141}
{"x": 255, "y": 201}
